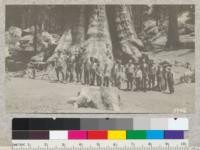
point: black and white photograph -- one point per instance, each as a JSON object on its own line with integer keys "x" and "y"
{"x": 100, "y": 58}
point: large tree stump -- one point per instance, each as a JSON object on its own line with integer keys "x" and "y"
{"x": 98, "y": 98}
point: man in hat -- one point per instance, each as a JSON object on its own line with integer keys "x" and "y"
{"x": 107, "y": 74}
{"x": 152, "y": 75}
{"x": 159, "y": 77}
{"x": 114, "y": 73}
{"x": 170, "y": 80}
{"x": 67, "y": 61}
{"x": 164, "y": 81}
{"x": 87, "y": 68}
{"x": 130, "y": 75}
{"x": 59, "y": 60}
{"x": 138, "y": 78}
{"x": 78, "y": 68}
{"x": 144, "y": 68}
{"x": 72, "y": 68}
{"x": 93, "y": 71}
{"x": 120, "y": 74}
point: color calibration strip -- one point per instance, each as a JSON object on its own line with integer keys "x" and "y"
{"x": 100, "y": 124}
{"x": 98, "y": 135}
{"x": 93, "y": 128}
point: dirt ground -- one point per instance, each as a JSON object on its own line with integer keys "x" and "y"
{"x": 41, "y": 96}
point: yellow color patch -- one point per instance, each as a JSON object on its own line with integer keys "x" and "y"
{"x": 116, "y": 134}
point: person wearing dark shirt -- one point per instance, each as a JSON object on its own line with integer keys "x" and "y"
{"x": 152, "y": 76}
{"x": 87, "y": 68}
{"x": 93, "y": 72}
{"x": 78, "y": 68}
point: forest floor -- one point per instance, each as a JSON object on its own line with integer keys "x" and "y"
{"x": 36, "y": 96}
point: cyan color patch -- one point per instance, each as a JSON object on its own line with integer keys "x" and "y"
{"x": 155, "y": 134}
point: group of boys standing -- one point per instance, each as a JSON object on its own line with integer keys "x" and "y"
{"x": 141, "y": 76}
{"x": 145, "y": 75}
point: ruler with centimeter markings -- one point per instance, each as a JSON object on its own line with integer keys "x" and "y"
{"x": 100, "y": 145}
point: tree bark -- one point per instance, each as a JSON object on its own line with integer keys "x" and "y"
{"x": 35, "y": 9}
{"x": 130, "y": 45}
{"x": 137, "y": 17}
{"x": 98, "y": 43}
{"x": 78, "y": 28}
{"x": 173, "y": 36}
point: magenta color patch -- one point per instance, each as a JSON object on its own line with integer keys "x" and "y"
{"x": 77, "y": 134}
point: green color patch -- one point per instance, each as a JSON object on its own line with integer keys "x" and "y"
{"x": 136, "y": 134}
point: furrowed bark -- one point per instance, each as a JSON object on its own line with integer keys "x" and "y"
{"x": 98, "y": 43}
{"x": 130, "y": 45}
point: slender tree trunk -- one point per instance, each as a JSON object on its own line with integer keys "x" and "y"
{"x": 158, "y": 19}
{"x": 173, "y": 36}
{"x": 138, "y": 17}
{"x": 78, "y": 28}
{"x": 23, "y": 20}
{"x": 35, "y": 29}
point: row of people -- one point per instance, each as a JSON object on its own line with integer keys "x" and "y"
{"x": 143, "y": 76}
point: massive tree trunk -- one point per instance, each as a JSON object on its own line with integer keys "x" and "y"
{"x": 91, "y": 34}
{"x": 173, "y": 36}
{"x": 130, "y": 45}
{"x": 98, "y": 43}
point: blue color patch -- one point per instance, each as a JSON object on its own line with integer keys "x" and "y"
{"x": 155, "y": 134}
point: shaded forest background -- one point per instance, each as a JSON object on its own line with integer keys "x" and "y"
{"x": 150, "y": 24}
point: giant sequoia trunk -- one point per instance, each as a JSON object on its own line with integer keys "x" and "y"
{"x": 173, "y": 36}
{"x": 92, "y": 37}
{"x": 130, "y": 45}
{"x": 98, "y": 43}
